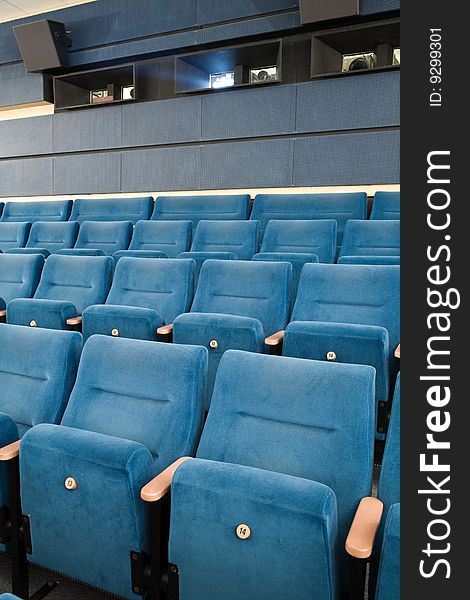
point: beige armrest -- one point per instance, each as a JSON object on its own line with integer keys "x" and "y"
{"x": 10, "y": 451}
{"x": 74, "y": 321}
{"x": 3, "y": 313}
{"x": 160, "y": 485}
{"x": 397, "y": 351}
{"x": 165, "y": 329}
{"x": 275, "y": 339}
{"x": 360, "y": 540}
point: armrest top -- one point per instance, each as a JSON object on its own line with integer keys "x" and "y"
{"x": 165, "y": 329}
{"x": 160, "y": 485}
{"x": 397, "y": 351}
{"x": 360, "y": 540}
{"x": 74, "y": 321}
{"x": 10, "y": 451}
{"x": 3, "y": 313}
{"x": 275, "y": 339}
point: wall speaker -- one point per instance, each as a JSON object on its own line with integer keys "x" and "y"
{"x": 313, "y": 11}
{"x": 43, "y": 45}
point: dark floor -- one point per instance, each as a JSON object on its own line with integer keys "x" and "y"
{"x": 66, "y": 590}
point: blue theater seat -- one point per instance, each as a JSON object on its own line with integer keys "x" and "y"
{"x": 235, "y": 305}
{"x": 158, "y": 239}
{"x": 388, "y": 584}
{"x": 9, "y": 597}
{"x": 2, "y": 204}
{"x": 19, "y": 277}
{"x": 371, "y": 242}
{"x": 299, "y": 242}
{"x": 47, "y": 238}
{"x": 13, "y": 235}
{"x": 195, "y": 208}
{"x": 135, "y": 408}
{"x": 37, "y": 372}
{"x": 68, "y": 285}
{"x": 351, "y": 314}
{"x": 37, "y": 210}
{"x": 225, "y": 240}
{"x": 386, "y": 205}
{"x": 285, "y": 458}
{"x": 97, "y": 238}
{"x": 112, "y": 209}
{"x": 145, "y": 294}
{"x": 340, "y": 207}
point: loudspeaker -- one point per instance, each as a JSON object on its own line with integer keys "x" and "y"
{"x": 43, "y": 45}
{"x": 313, "y": 11}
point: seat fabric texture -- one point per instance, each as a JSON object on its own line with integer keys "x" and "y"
{"x": 19, "y": 276}
{"x": 13, "y": 235}
{"x": 112, "y": 209}
{"x": 374, "y": 239}
{"x": 43, "y": 210}
{"x": 386, "y": 205}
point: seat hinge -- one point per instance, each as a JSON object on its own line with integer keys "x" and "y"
{"x": 382, "y": 416}
{"x": 140, "y": 572}
{"x": 173, "y": 591}
{"x": 5, "y": 524}
{"x": 25, "y": 531}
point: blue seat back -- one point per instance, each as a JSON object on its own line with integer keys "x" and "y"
{"x": 195, "y": 208}
{"x": 340, "y": 207}
{"x": 37, "y": 373}
{"x": 13, "y": 235}
{"x": 112, "y": 209}
{"x": 19, "y": 275}
{"x": 299, "y": 417}
{"x": 53, "y": 236}
{"x": 238, "y": 237}
{"x": 388, "y": 584}
{"x": 81, "y": 280}
{"x": 170, "y": 237}
{"x": 386, "y": 205}
{"x": 146, "y": 392}
{"x": 389, "y": 481}
{"x": 106, "y": 236}
{"x": 371, "y": 238}
{"x": 166, "y": 286}
{"x": 37, "y": 210}
{"x": 309, "y": 237}
{"x": 260, "y": 290}
{"x": 357, "y": 294}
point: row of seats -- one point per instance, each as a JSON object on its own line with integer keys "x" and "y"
{"x": 266, "y": 207}
{"x": 278, "y": 497}
{"x": 299, "y": 242}
{"x": 345, "y": 313}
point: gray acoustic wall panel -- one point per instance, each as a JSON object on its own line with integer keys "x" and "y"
{"x": 92, "y": 129}
{"x": 26, "y": 177}
{"x": 348, "y": 159}
{"x": 341, "y": 103}
{"x": 26, "y": 137}
{"x": 87, "y": 173}
{"x": 247, "y": 164}
{"x": 249, "y": 113}
{"x": 162, "y": 122}
{"x": 163, "y": 169}
{"x": 17, "y": 86}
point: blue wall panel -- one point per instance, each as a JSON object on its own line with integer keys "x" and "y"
{"x": 92, "y": 129}
{"x": 376, "y": 6}
{"x": 17, "y": 86}
{"x": 350, "y": 102}
{"x": 213, "y": 11}
{"x": 87, "y": 173}
{"x": 26, "y": 137}
{"x": 26, "y": 177}
{"x": 249, "y": 113}
{"x": 247, "y": 164}
{"x": 348, "y": 159}
{"x": 162, "y": 122}
{"x": 161, "y": 170}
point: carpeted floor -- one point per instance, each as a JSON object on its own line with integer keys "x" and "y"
{"x": 66, "y": 590}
